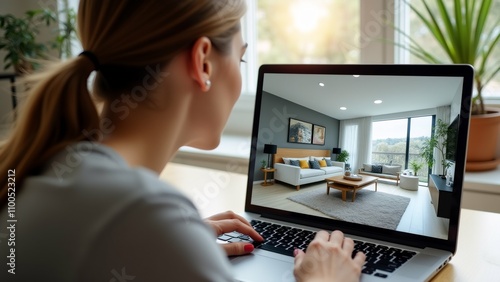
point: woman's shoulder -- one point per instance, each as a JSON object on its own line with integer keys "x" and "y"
{"x": 107, "y": 207}
{"x": 89, "y": 172}
{"x": 94, "y": 165}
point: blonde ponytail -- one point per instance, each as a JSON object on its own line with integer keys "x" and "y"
{"x": 57, "y": 109}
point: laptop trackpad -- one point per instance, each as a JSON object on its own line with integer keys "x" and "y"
{"x": 263, "y": 266}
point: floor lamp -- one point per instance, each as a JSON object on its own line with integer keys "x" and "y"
{"x": 270, "y": 149}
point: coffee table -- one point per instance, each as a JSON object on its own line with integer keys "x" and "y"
{"x": 344, "y": 185}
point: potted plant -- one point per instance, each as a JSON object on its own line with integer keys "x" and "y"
{"x": 416, "y": 166}
{"x": 343, "y": 157}
{"x": 263, "y": 164}
{"x": 437, "y": 141}
{"x": 20, "y": 37}
{"x": 466, "y": 37}
{"x": 427, "y": 152}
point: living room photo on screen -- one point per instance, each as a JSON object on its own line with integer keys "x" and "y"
{"x": 383, "y": 123}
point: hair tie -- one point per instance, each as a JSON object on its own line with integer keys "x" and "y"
{"x": 92, "y": 57}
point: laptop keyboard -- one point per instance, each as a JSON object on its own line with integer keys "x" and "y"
{"x": 380, "y": 260}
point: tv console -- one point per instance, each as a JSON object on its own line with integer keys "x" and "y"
{"x": 440, "y": 195}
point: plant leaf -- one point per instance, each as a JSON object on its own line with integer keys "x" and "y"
{"x": 491, "y": 76}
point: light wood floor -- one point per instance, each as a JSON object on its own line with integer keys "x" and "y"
{"x": 419, "y": 217}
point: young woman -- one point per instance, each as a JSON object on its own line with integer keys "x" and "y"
{"x": 82, "y": 197}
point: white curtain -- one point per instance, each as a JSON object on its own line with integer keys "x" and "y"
{"x": 442, "y": 113}
{"x": 356, "y": 138}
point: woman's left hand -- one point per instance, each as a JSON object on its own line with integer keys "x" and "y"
{"x": 229, "y": 221}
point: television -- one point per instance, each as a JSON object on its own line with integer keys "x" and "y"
{"x": 452, "y": 140}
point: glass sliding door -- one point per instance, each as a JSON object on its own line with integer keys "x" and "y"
{"x": 389, "y": 139}
{"x": 399, "y": 141}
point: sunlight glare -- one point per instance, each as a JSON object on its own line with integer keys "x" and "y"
{"x": 306, "y": 15}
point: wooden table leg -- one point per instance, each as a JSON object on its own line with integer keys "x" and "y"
{"x": 353, "y": 194}
{"x": 344, "y": 195}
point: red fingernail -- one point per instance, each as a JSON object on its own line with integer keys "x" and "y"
{"x": 248, "y": 248}
{"x": 295, "y": 252}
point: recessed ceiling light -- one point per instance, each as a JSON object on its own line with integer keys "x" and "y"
{"x": 321, "y": 84}
{"x": 355, "y": 75}
{"x": 377, "y": 101}
{"x": 343, "y": 108}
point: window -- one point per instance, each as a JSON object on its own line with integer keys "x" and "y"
{"x": 389, "y": 139}
{"x": 399, "y": 141}
{"x": 304, "y": 31}
{"x": 319, "y": 31}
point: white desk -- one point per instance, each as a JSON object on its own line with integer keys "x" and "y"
{"x": 482, "y": 190}
{"x": 477, "y": 257}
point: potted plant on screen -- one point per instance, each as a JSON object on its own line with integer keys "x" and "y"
{"x": 263, "y": 164}
{"x": 437, "y": 141}
{"x": 467, "y": 32}
{"x": 416, "y": 166}
{"x": 344, "y": 157}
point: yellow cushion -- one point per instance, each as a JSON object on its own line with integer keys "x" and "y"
{"x": 304, "y": 164}
{"x": 322, "y": 163}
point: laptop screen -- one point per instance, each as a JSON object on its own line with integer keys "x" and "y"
{"x": 365, "y": 148}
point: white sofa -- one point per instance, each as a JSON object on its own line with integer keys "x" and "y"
{"x": 389, "y": 171}
{"x": 297, "y": 176}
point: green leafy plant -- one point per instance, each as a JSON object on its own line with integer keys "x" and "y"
{"x": 20, "y": 37}
{"x": 466, "y": 37}
{"x": 437, "y": 141}
{"x": 427, "y": 151}
{"x": 343, "y": 156}
{"x": 263, "y": 163}
{"x": 19, "y": 40}
{"x": 66, "y": 32}
{"x": 416, "y": 166}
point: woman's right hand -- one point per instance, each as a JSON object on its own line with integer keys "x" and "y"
{"x": 328, "y": 258}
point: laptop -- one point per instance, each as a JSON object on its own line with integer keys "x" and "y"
{"x": 408, "y": 223}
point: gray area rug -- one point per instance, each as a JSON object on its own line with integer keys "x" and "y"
{"x": 370, "y": 207}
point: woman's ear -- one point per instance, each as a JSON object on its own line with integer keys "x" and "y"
{"x": 201, "y": 66}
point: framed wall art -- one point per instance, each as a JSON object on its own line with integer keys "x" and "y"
{"x": 299, "y": 131}
{"x": 319, "y": 133}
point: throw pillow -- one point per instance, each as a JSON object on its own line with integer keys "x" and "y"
{"x": 286, "y": 161}
{"x": 295, "y": 162}
{"x": 322, "y": 163}
{"x": 376, "y": 168}
{"x": 391, "y": 169}
{"x": 314, "y": 164}
{"x": 328, "y": 162}
{"x": 367, "y": 167}
{"x": 304, "y": 164}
